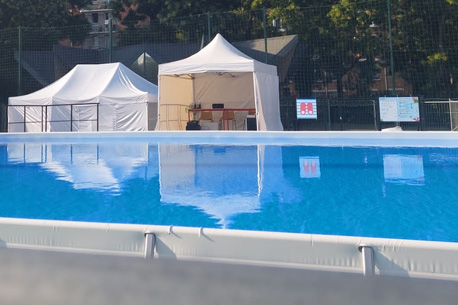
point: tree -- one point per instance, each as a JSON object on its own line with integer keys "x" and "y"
{"x": 341, "y": 41}
{"x": 356, "y": 45}
{"x": 425, "y": 40}
{"x": 338, "y": 39}
{"x": 38, "y": 13}
{"x": 159, "y": 10}
{"x": 56, "y": 16}
{"x": 160, "y": 19}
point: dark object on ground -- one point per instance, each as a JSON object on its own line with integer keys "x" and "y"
{"x": 193, "y": 125}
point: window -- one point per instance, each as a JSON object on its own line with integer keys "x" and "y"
{"x": 95, "y": 18}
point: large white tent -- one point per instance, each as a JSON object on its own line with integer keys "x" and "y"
{"x": 218, "y": 74}
{"x": 103, "y": 97}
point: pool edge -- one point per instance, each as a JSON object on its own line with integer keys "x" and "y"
{"x": 390, "y": 257}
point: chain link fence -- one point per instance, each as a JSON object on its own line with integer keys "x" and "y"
{"x": 345, "y": 55}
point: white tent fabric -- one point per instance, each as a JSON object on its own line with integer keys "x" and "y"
{"x": 104, "y": 97}
{"x": 218, "y": 74}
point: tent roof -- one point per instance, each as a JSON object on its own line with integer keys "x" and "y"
{"x": 218, "y": 56}
{"x": 89, "y": 83}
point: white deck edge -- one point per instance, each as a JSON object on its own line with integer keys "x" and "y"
{"x": 320, "y": 138}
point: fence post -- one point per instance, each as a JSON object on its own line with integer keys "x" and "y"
{"x": 421, "y": 105}
{"x": 329, "y": 114}
{"x": 340, "y": 115}
{"x": 209, "y": 27}
{"x": 375, "y": 114}
{"x": 19, "y": 72}
{"x": 390, "y": 40}
{"x": 110, "y": 35}
{"x": 264, "y": 20}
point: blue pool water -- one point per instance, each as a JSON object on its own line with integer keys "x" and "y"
{"x": 405, "y": 193}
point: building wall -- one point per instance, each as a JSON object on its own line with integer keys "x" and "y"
{"x": 98, "y": 16}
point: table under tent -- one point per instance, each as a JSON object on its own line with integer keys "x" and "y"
{"x": 99, "y": 97}
{"x": 221, "y": 84}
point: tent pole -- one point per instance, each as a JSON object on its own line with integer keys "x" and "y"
{"x": 71, "y": 117}
{"x": 98, "y": 116}
{"x": 193, "y": 92}
{"x": 25, "y": 118}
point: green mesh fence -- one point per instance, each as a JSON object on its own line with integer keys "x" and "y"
{"x": 344, "y": 54}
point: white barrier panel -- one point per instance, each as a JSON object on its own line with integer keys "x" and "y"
{"x": 325, "y": 252}
{"x": 72, "y": 236}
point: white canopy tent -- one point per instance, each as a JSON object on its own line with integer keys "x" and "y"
{"x": 104, "y": 97}
{"x": 218, "y": 74}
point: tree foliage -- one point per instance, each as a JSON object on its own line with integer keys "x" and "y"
{"x": 39, "y": 13}
{"x": 43, "y": 23}
{"x": 429, "y": 37}
{"x": 351, "y": 38}
{"x": 346, "y": 41}
{"x": 58, "y": 14}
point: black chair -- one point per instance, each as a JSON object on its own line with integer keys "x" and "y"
{"x": 217, "y": 106}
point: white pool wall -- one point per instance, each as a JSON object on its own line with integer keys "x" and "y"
{"x": 394, "y": 257}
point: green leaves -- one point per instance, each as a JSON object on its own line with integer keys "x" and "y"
{"x": 38, "y": 13}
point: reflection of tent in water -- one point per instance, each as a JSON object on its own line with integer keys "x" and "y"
{"x": 222, "y": 181}
{"x": 89, "y": 165}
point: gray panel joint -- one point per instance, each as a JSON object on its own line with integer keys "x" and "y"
{"x": 150, "y": 244}
{"x": 368, "y": 259}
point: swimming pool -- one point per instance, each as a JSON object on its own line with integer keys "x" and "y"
{"x": 351, "y": 185}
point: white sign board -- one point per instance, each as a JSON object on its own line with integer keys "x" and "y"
{"x": 306, "y": 108}
{"x": 399, "y": 109}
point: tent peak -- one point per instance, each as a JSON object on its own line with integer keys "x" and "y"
{"x": 217, "y": 56}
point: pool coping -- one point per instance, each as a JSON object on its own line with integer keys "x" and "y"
{"x": 318, "y": 138}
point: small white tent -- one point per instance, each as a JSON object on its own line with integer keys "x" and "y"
{"x": 218, "y": 74}
{"x": 104, "y": 97}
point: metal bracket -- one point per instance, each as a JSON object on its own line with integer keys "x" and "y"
{"x": 368, "y": 259}
{"x": 150, "y": 244}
